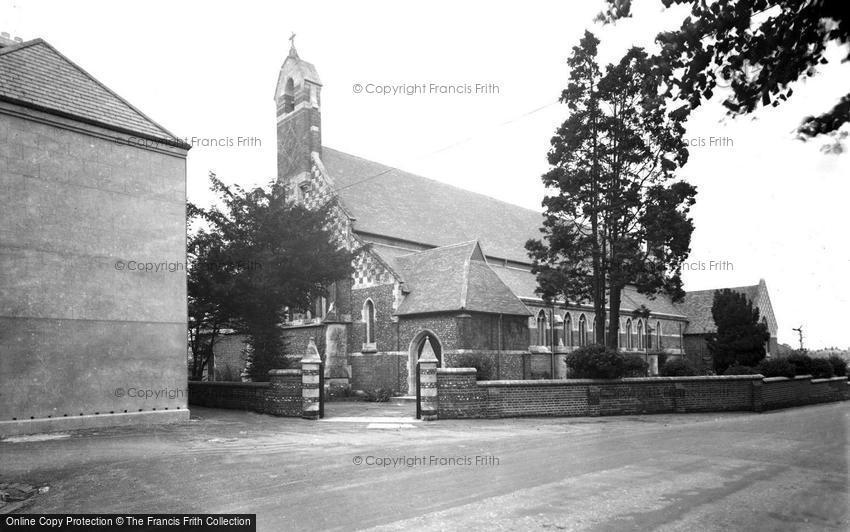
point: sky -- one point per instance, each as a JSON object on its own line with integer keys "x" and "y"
{"x": 768, "y": 205}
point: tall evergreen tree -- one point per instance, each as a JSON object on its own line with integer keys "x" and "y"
{"x": 571, "y": 264}
{"x": 616, "y": 215}
{"x": 740, "y": 335}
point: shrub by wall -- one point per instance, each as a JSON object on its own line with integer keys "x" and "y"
{"x": 635, "y": 366}
{"x": 678, "y": 367}
{"x": 821, "y": 368}
{"x": 740, "y": 370}
{"x": 802, "y": 363}
{"x": 483, "y": 364}
{"x": 839, "y": 366}
{"x": 776, "y": 367}
{"x": 599, "y": 362}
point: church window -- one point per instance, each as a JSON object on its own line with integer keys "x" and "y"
{"x": 369, "y": 319}
{"x": 582, "y": 330}
{"x": 640, "y": 337}
{"x": 629, "y": 336}
{"x": 568, "y": 329}
{"x": 541, "y": 328}
{"x": 681, "y": 338}
{"x": 658, "y": 343}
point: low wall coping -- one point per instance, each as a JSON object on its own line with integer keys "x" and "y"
{"x": 457, "y": 371}
{"x": 303, "y": 325}
{"x": 484, "y": 352}
{"x": 776, "y": 379}
{"x": 376, "y": 352}
{"x": 630, "y": 380}
{"x": 830, "y": 379}
{"x": 292, "y": 372}
{"x": 223, "y": 384}
{"x": 801, "y": 377}
{"x": 697, "y": 378}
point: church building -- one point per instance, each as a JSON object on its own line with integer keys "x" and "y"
{"x": 434, "y": 265}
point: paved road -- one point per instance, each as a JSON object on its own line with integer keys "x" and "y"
{"x": 783, "y": 470}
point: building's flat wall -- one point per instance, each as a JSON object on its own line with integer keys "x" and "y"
{"x": 492, "y": 332}
{"x": 371, "y": 371}
{"x": 386, "y": 336}
{"x": 459, "y": 395}
{"x": 229, "y": 353}
{"x": 81, "y": 327}
{"x": 696, "y": 352}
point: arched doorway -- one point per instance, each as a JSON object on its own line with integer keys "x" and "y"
{"x": 415, "y": 351}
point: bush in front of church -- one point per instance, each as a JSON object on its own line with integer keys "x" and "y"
{"x": 821, "y": 368}
{"x": 740, "y": 370}
{"x": 678, "y": 367}
{"x": 599, "y": 362}
{"x": 635, "y": 366}
{"x": 839, "y": 365}
{"x": 802, "y": 363}
{"x": 776, "y": 367}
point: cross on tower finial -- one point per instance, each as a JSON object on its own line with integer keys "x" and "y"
{"x": 292, "y": 51}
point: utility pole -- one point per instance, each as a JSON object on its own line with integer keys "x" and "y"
{"x": 799, "y": 331}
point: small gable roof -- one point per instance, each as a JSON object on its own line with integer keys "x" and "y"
{"x": 454, "y": 278}
{"x": 696, "y": 305}
{"x": 34, "y": 74}
{"x": 393, "y": 203}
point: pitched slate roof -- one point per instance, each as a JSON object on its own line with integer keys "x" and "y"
{"x": 697, "y": 306}
{"x": 454, "y": 278}
{"x": 660, "y": 304}
{"x": 523, "y": 283}
{"x": 390, "y": 202}
{"x": 34, "y": 74}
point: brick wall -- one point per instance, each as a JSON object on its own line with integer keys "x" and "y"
{"x": 230, "y": 356}
{"x": 280, "y": 397}
{"x": 492, "y": 332}
{"x": 696, "y": 351}
{"x": 781, "y": 392}
{"x": 298, "y": 337}
{"x": 444, "y": 326}
{"x": 503, "y": 364}
{"x": 460, "y": 395}
{"x": 370, "y": 371}
{"x": 385, "y": 327}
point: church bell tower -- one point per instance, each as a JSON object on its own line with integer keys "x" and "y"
{"x": 299, "y": 134}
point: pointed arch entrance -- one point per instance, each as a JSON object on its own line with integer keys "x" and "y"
{"x": 415, "y": 351}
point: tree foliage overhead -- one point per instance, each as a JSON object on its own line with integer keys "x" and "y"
{"x": 259, "y": 255}
{"x": 740, "y": 336}
{"x": 614, "y": 213}
{"x": 760, "y": 48}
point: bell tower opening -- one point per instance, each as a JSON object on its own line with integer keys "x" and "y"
{"x": 289, "y": 97}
